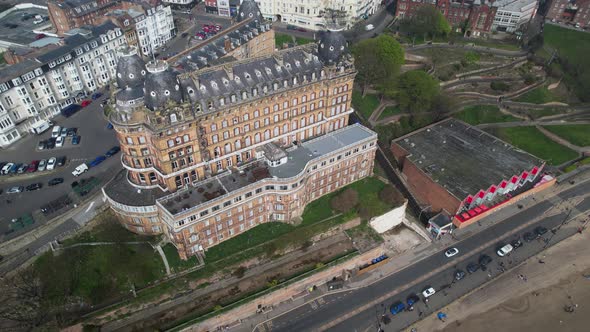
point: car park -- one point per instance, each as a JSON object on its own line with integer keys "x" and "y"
{"x": 59, "y": 142}
{"x": 484, "y": 260}
{"x": 15, "y": 190}
{"x": 63, "y": 132}
{"x": 540, "y": 230}
{"x": 428, "y": 292}
{"x": 397, "y": 307}
{"x": 42, "y": 165}
{"x": 504, "y": 250}
{"x": 459, "y": 274}
{"x": 472, "y": 267}
{"x": 61, "y": 161}
{"x": 451, "y": 252}
{"x": 51, "y": 163}
{"x": 34, "y": 186}
{"x": 528, "y": 236}
{"x": 22, "y": 168}
{"x": 76, "y": 140}
{"x": 55, "y": 131}
{"x": 55, "y": 181}
{"x": 113, "y": 151}
{"x": 6, "y": 168}
{"x": 97, "y": 161}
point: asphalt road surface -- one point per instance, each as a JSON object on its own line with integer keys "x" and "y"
{"x": 362, "y": 309}
{"x": 96, "y": 139}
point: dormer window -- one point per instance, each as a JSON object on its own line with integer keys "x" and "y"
{"x": 285, "y": 84}
{"x": 279, "y": 69}
{"x": 244, "y": 95}
{"x": 265, "y": 89}
{"x": 214, "y": 85}
{"x": 173, "y": 118}
{"x": 275, "y": 86}
{"x": 288, "y": 66}
{"x": 237, "y": 79}
{"x": 294, "y": 80}
{"x": 233, "y": 98}
{"x": 190, "y": 91}
{"x": 225, "y": 82}
{"x": 323, "y": 73}
{"x": 221, "y": 101}
{"x": 297, "y": 63}
{"x": 258, "y": 73}
{"x": 268, "y": 71}
{"x": 247, "y": 76}
{"x": 153, "y": 93}
{"x": 313, "y": 76}
{"x": 210, "y": 104}
{"x": 203, "y": 89}
{"x": 167, "y": 92}
{"x": 255, "y": 92}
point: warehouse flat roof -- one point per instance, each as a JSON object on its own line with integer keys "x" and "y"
{"x": 464, "y": 159}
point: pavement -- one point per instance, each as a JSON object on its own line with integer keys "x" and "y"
{"x": 96, "y": 139}
{"x": 363, "y": 300}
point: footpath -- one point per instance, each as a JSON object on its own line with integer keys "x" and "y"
{"x": 395, "y": 264}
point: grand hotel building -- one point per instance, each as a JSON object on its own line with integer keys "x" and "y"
{"x": 212, "y": 153}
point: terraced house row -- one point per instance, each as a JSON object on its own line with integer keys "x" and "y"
{"x": 211, "y": 153}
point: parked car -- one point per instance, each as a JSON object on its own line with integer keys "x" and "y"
{"x": 42, "y": 145}
{"x": 34, "y": 186}
{"x": 61, "y": 161}
{"x": 504, "y": 250}
{"x": 85, "y": 103}
{"x": 484, "y": 260}
{"x": 397, "y": 307}
{"x": 540, "y": 230}
{"x": 97, "y": 161}
{"x": 55, "y": 181}
{"x": 516, "y": 244}
{"x": 42, "y": 165}
{"x": 15, "y": 190}
{"x": 200, "y": 36}
{"x": 451, "y": 252}
{"x": 369, "y": 27}
{"x": 59, "y": 142}
{"x": 472, "y": 267}
{"x": 33, "y": 166}
{"x": 428, "y": 292}
{"x": 55, "y": 131}
{"x": 51, "y": 143}
{"x": 109, "y": 126}
{"x": 63, "y": 132}
{"x": 113, "y": 151}
{"x": 82, "y": 168}
{"x": 14, "y": 168}
{"x": 72, "y": 132}
{"x": 459, "y": 274}
{"x": 51, "y": 163}
{"x": 412, "y": 299}
{"x": 6, "y": 168}
{"x": 76, "y": 140}
{"x": 22, "y": 168}
{"x": 96, "y": 95}
{"x": 184, "y": 34}
{"x": 528, "y": 236}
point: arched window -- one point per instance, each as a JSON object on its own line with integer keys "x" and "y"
{"x": 170, "y": 143}
{"x": 294, "y": 126}
{"x": 178, "y": 181}
{"x": 302, "y": 122}
{"x": 152, "y": 177}
{"x": 237, "y": 145}
{"x": 256, "y": 114}
{"x": 266, "y": 134}
{"x": 246, "y": 117}
{"x": 248, "y": 141}
{"x": 227, "y": 148}
{"x": 217, "y": 152}
{"x": 223, "y": 124}
{"x": 194, "y": 176}
{"x": 276, "y": 132}
{"x": 311, "y": 119}
{"x": 257, "y": 138}
{"x": 320, "y": 116}
{"x": 285, "y": 128}
{"x": 185, "y": 138}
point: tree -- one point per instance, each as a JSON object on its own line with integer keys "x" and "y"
{"x": 426, "y": 20}
{"x": 377, "y": 60}
{"x": 416, "y": 91}
{"x": 345, "y": 201}
{"x": 391, "y": 196}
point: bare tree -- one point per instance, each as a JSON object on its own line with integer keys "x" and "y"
{"x": 21, "y": 307}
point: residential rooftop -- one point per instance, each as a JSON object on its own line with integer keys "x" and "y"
{"x": 515, "y": 5}
{"x": 297, "y": 160}
{"x": 464, "y": 159}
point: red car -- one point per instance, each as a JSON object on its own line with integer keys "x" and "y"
{"x": 85, "y": 102}
{"x": 32, "y": 166}
{"x": 40, "y": 36}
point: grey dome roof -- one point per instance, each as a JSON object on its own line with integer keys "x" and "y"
{"x": 331, "y": 47}
{"x": 249, "y": 8}
{"x": 130, "y": 69}
{"x": 129, "y": 93}
{"x": 161, "y": 85}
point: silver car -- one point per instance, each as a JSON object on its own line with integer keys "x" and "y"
{"x": 42, "y": 165}
{"x": 51, "y": 163}
{"x": 15, "y": 190}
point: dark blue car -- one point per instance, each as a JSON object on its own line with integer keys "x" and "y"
{"x": 113, "y": 151}
{"x": 75, "y": 139}
{"x": 97, "y": 161}
{"x": 397, "y": 307}
{"x": 96, "y": 95}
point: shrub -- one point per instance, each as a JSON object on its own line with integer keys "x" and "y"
{"x": 391, "y": 196}
{"x": 499, "y": 86}
{"x": 346, "y": 200}
{"x": 239, "y": 272}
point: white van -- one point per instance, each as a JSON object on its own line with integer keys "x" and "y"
{"x": 55, "y": 131}
{"x": 505, "y": 250}
{"x": 80, "y": 169}
{"x": 369, "y": 27}
{"x": 41, "y": 126}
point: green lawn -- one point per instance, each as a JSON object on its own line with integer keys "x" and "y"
{"x": 389, "y": 111}
{"x": 539, "y": 95}
{"x": 176, "y": 264}
{"x": 281, "y": 38}
{"x": 576, "y": 134}
{"x": 364, "y": 105}
{"x": 479, "y": 114}
{"x": 303, "y": 41}
{"x": 533, "y": 141}
{"x": 574, "y": 166}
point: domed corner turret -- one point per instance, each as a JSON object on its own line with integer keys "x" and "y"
{"x": 161, "y": 85}
{"x": 249, "y": 9}
{"x": 332, "y": 46}
{"x": 131, "y": 70}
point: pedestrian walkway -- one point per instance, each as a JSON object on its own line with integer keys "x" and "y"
{"x": 164, "y": 259}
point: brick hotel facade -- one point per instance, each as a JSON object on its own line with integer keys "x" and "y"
{"x": 211, "y": 153}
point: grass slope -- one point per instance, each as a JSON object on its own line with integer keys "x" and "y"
{"x": 364, "y": 105}
{"x": 576, "y": 134}
{"x": 479, "y": 114}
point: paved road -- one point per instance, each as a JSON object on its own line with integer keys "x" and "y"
{"x": 96, "y": 139}
{"x": 358, "y": 310}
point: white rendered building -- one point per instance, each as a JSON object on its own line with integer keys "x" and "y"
{"x": 154, "y": 28}
{"x": 512, "y": 14}
{"x": 37, "y": 89}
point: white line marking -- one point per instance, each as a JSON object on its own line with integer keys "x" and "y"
{"x": 89, "y": 207}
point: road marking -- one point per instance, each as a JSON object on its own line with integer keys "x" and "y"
{"x": 89, "y": 207}
{"x": 314, "y": 305}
